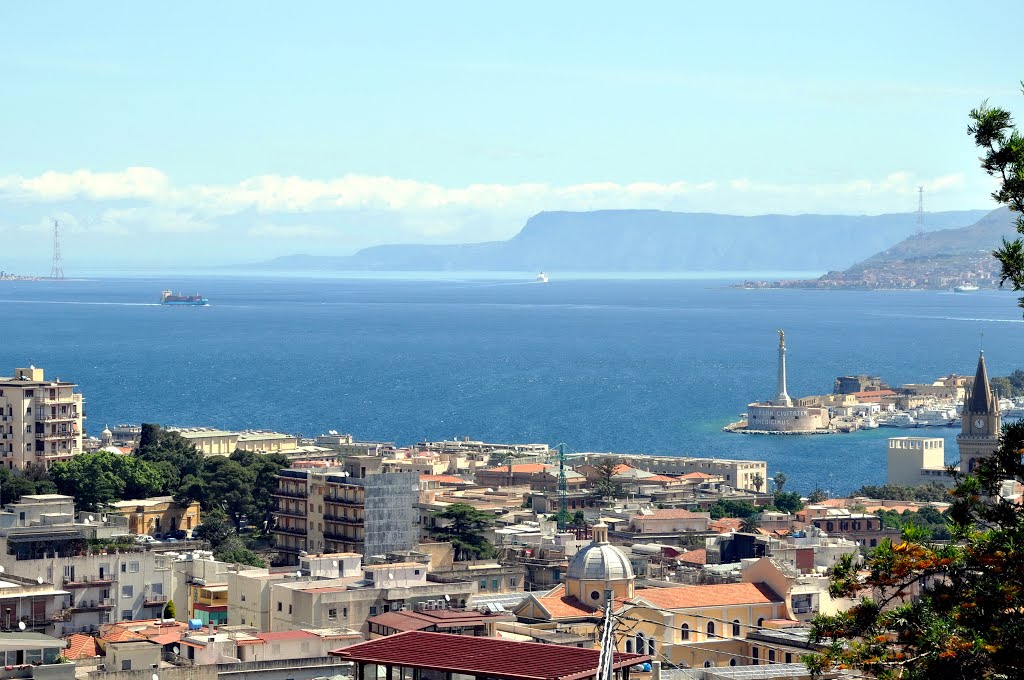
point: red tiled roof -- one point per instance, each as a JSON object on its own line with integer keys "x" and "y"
{"x": 873, "y": 393}
{"x": 660, "y": 478}
{"x": 725, "y": 525}
{"x": 483, "y": 656}
{"x": 698, "y": 556}
{"x": 719, "y": 595}
{"x": 669, "y": 513}
{"x": 446, "y": 618}
{"x": 521, "y": 467}
{"x": 696, "y": 475}
{"x": 443, "y": 479}
{"x": 120, "y": 634}
{"x": 81, "y": 646}
{"x": 562, "y": 606}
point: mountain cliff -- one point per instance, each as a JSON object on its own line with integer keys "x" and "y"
{"x": 652, "y": 240}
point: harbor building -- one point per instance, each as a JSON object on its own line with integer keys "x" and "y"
{"x": 979, "y": 434}
{"x": 917, "y": 460}
{"x": 40, "y": 420}
{"x": 780, "y": 414}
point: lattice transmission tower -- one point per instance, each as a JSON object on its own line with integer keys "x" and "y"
{"x": 920, "y": 210}
{"x": 57, "y": 269}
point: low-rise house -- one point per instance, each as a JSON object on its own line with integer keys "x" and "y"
{"x": 27, "y": 654}
{"x": 667, "y": 522}
{"x": 157, "y": 516}
{"x": 454, "y": 621}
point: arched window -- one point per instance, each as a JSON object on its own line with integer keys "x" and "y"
{"x": 629, "y": 646}
{"x": 736, "y": 628}
{"x": 771, "y": 656}
{"x": 709, "y": 664}
{"x": 732, "y": 662}
{"x": 641, "y": 643}
{"x": 684, "y": 632}
{"x": 711, "y": 628}
{"x": 650, "y": 646}
{"x": 760, "y": 622}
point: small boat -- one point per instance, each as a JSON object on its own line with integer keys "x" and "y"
{"x": 868, "y": 423}
{"x": 169, "y": 298}
{"x": 965, "y": 288}
{"x": 543, "y": 278}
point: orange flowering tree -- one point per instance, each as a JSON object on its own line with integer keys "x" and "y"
{"x": 928, "y": 610}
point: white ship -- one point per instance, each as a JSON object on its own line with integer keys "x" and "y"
{"x": 543, "y": 278}
{"x": 965, "y": 288}
{"x": 936, "y": 417}
{"x": 900, "y": 419}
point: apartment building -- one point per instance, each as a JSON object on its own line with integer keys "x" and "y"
{"x": 40, "y": 420}
{"x": 738, "y": 474}
{"x": 331, "y": 591}
{"x": 330, "y": 510}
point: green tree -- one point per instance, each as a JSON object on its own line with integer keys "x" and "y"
{"x": 726, "y": 508}
{"x": 925, "y": 493}
{"x": 264, "y": 468}
{"x": 758, "y": 481}
{"x": 751, "y": 523}
{"x": 229, "y": 485}
{"x": 96, "y": 479}
{"x": 605, "y": 486}
{"x": 169, "y": 611}
{"x": 579, "y": 520}
{"x": 175, "y": 456}
{"x": 216, "y": 529}
{"x": 788, "y": 502}
{"x": 1003, "y": 157}
{"x": 780, "y": 480}
{"x": 241, "y": 555}
{"x": 464, "y": 526}
{"x": 817, "y": 495}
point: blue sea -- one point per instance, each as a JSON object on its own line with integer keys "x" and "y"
{"x": 622, "y": 365}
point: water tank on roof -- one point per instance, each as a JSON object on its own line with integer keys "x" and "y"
{"x": 195, "y": 624}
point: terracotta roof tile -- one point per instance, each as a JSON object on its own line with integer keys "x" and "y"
{"x": 121, "y": 634}
{"x": 719, "y": 595}
{"x": 81, "y": 646}
{"x": 562, "y": 606}
{"x": 699, "y": 556}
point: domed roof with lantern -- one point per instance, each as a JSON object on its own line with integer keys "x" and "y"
{"x": 600, "y": 560}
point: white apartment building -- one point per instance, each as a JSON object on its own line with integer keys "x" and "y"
{"x": 40, "y": 420}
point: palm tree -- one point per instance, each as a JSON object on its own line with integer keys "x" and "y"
{"x": 751, "y": 523}
{"x": 780, "y": 480}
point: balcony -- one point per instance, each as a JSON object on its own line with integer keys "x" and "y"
{"x": 289, "y": 530}
{"x": 352, "y": 521}
{"x": 291, "y": 513}
{"x": 90, "y": 582}
{"x": 337, "y": 500}
{"x": 343, "y": 538}
{"x": 55, "y": 417}
{"x": 91, "y": 606}
{"x": 288, "y": 493}
{"x": 53, "y": 436}
{"x": 154, "y": 600}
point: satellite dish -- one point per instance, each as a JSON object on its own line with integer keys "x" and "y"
{"x": 2, "y": 569}
{"x": 39, "y": 580}
{"x": 93, "y": 519}
{"x": 390, "y": 575}
{"x": 156, "y": 677}
{"x": 298, "y": 574}
{"x": 21, "y": 625}
{"x": 176, "y": 649}
{"x": 447, "y": 597}
{"x": 336, "y": 563}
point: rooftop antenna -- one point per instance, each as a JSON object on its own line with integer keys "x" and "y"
{"x": 57, "y": 269}
{"x": 920, "y": 209}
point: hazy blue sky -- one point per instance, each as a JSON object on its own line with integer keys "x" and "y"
{"x": 259, "y": 129}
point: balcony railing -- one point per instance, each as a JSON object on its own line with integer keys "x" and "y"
{"x": 50, "y": 436}
{"x": 154, "y": 600}
{"x": 288, "y": 493}
{"x": 338, "y": 500}
{"x": 290, "y": 513}
{"x": 343, "y": 520}
{"x": 92, "y": 605}
{"x": 344, "y": 538}
{"x": 53, "y": 417}
{"x": 90, "y": 582}
{"x": 289, "y": 530}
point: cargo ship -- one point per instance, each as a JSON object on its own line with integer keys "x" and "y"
{"x": 169, "y": 298}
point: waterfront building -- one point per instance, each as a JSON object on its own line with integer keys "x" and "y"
{"x": 917, "y": 460}
{"x": 780, "y": 414}
{"x": 979, "y": 434}
{"x": 850, "y": 384}
{"x": 739, "y": 474}
{"x": 212, "y": 442}
{"x": 329, "y": 510}
{"x": 40, "y": 420}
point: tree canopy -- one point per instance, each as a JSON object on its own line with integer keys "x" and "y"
{"x": 96, "y": 479}
{"x": 464, "y": 526}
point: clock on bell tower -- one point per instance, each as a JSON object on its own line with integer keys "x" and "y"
{"x": 979, "y": 434}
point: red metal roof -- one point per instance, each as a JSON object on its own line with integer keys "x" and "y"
{"x": 483, "y": 656}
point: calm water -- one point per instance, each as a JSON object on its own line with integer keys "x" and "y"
{"x": 655, "y": 366}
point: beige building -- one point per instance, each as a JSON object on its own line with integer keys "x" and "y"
{"x": 739, "y": 474}
{"x": 668, "y": 521}
{"x": 917, "y": 460}
{"x": 159, "y": 515}
{"x": 40, "y": 420}
{"x": 213, "y": 442}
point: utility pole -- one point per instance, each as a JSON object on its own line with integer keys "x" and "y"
{"x": 920, "y": 210}
{"x": 563, "y": 501}
{"x": 57, "y": 269}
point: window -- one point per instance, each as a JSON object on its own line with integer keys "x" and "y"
{"x": 760, "y": 622}
{"x": 127, "y": 591}
{"x": 684, "y": 632}
{"x": 243, "y": 597}
{"x": 126, "y": 614}
{"x": 512, "y": 583}
{"x": 789, "y": 658}
{"x": 157, "y": 588}
{"x": 344, "y": 612}
{"x": 332, "y": 614}
{"x": 771, "y": 656}
{"x": 732, "y": 662}
{"x": 483, "y": 584}
{"x": 594, "y": 595}
{"x": 494, "y": 584}
{"x": 133, "y": 567}
{"x": 124, "y": 568}
{"x": 736, "y": 628}
{"x": 756, "y": 654}
{"x": 289, "y": 609}
{"x": 711, "y": 628}
{"x": 280, "y": 606}
{"x": 373, "y": 611}
{"x": 417, "y": 572}
{"x": 126, "y": 664}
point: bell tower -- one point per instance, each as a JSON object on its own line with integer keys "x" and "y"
{"x": 979, "y": 434}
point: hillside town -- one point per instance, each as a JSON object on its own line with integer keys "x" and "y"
{"x": 350, "y": 557}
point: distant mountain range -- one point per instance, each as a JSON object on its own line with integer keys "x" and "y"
{"x": 653, "y": 240}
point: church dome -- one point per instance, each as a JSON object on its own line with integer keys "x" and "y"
{"x": 599, "y": 561}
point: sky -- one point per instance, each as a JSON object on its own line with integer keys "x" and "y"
{"x": 182, "y": 133}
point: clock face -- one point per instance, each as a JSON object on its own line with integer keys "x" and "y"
{"x": 979, "y": 422}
